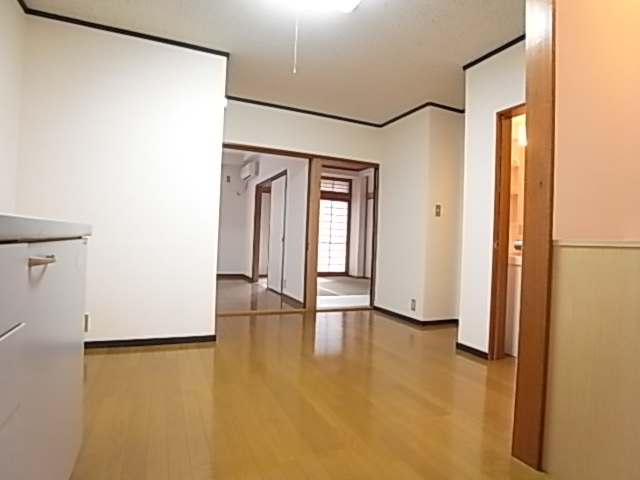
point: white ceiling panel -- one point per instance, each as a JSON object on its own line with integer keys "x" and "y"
{"x": 382, "y": 59}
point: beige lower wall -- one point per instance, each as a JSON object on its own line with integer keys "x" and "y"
{"x": 593, "y": 409}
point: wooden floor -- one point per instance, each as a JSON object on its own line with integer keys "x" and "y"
{"x": 334, "y": 286}
{"x": 243, "y": 296}
{"x": 341, "y": 396}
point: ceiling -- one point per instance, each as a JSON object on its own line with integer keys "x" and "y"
{"x": 377, "y": 62}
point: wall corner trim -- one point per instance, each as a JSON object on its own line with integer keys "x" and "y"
{"x": 421, "y": 107}
{"x": 288, "y": 108}
{"x": 494, "y": 52}
{"x": 120, "y": 31}
{"x": 148, "y": 342}
{"x": 346, "y": 119}
{"x": 472, "y": 351}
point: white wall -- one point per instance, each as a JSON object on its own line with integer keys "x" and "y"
{"x": 418, "y": 253}
{"x": 12, "y": 32}
{"x": 402, "y": 231}
{"x": 296, "y": 217}
{"x": 126, "y": 135}
{"x": 281, "y": 129}
{"x": 233, "y": 255}
{"x": 444, "y": 188}
{"x": 357, "y": 233}
{"x": 492, "y": 86}
{"x": 265, "y": 230}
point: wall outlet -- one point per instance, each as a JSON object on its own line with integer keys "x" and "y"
{"x": 228, "y": 179}
{"x": 438, "y": 210}
{"x": 86, "y": 323}
{"x": 413, "y": 304}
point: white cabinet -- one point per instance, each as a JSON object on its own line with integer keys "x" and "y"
{"x": 13, "y": 445}
{"x": 41, "y": 358}
{"x": 13, "y": 285}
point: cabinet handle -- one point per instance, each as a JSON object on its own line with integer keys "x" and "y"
{"x": 11, "y": 331}
{"x": 40, "y": 261}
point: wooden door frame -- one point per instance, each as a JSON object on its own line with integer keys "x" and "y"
{"x": 313, "y": 234}
{"x": 313, "y": 220}
{"x": 501, "y": 221}
{"x": 374, "y": 235}
{"x": 537, "y": 265}
{"x": 369, "y": 196}
{"x": 315, "y": 165}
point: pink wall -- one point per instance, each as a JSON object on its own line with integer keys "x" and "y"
{"x": 598, "y": 121}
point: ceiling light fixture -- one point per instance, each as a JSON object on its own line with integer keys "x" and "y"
{"x": 304, "y": 6}
{"x": 344, "y": 6}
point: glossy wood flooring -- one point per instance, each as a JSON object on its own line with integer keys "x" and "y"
{"x": 335, "y": 286}
{"x": 242, "y": 296}
{"x": 352, "y": 396}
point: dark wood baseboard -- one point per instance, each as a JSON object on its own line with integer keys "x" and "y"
{"x": 422, "y": 323}
{"x": 472, "y": 351}
{"x": 234, "y": 276}
{"x": 148, "y": 342}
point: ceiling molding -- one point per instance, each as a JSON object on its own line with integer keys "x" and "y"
{"x": 346, "y": 119}
{"x": 421, "y": 107}
{"x": 97, "y": 26}
{"x": 301, "y": 110}
{"x": 120, "y": 31}
{"x": 494, "y": 52}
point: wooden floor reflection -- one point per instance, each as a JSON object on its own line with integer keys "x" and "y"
{"x": 338, "y": 396}
{"x": 243, "y": 296}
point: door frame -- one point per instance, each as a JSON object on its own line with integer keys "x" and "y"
{"x": 262, "y": 188}
{"x": 501, "y": 224}
{"x": 313, "y": 220}
{"x": 315, "y": 164}
{"x": 537, "y": 266}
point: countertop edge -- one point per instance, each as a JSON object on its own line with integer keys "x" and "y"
{"x": 22, "y": 229}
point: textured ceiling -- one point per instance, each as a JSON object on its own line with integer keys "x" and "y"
{"x": 384, "y": 58}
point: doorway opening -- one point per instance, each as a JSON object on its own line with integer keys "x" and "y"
{"x": 262, "y": 237}
{"x": 508, "y": 247}
{"x": 346, "y": 236}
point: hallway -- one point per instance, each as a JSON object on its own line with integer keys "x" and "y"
{"x": 345, "y": 396}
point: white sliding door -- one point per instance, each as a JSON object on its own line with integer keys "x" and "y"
{"x": 276, "y": 233}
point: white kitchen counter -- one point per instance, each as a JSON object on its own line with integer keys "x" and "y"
{"x": 42, "y": 310}
{"x": 20, "y": 229}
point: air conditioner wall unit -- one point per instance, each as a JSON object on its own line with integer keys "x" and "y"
{"x": 249, "y": 171}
